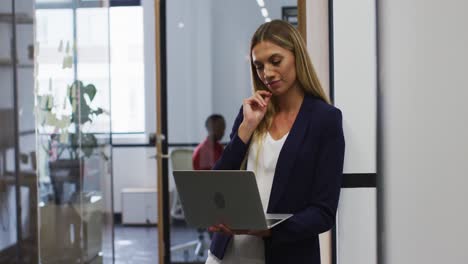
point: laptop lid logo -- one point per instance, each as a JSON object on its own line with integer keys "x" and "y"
{"x": 219, "y": 201}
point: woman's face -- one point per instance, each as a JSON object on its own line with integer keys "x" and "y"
{"x": 275, "y": 67}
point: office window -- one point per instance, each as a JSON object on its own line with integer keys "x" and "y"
{"x": 127, "y": 91}
{"x": 127, "y": 69}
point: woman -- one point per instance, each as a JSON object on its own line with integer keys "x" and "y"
{"x": 289, "y": 134}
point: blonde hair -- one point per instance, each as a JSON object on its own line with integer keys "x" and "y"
{"x": 288, "y": 37}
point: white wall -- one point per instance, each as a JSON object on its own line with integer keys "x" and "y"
{"x": 356, "y": 226}
{"x": 423, "y": 88}
{"x": 189, "y": 80}
{"x": 149, "y": 45}
{"x": 355, "y": 81}
{"x": 133, "y": 167}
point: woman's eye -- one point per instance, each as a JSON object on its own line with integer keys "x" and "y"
{"x": 276, "y": 63}
{"x": 259, "y": 67}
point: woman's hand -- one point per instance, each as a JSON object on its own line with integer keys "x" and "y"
{"x": 225, "y": 229}
{"x": 260, "y": 233}
{"x": 254, "y": 109}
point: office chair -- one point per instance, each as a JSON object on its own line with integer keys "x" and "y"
{"x": 181, "y": 159}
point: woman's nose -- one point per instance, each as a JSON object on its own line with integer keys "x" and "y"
{"x": 268, "y": 73}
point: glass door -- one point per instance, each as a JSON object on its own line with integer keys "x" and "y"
{"x": 72, "y": 96}
{"x": 18, "y": 179}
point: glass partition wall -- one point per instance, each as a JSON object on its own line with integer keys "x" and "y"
{"x": 72, "y": 96}
{"x": 18, "y": 180}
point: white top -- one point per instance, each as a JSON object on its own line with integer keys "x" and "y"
{"x": 247, "y": 249}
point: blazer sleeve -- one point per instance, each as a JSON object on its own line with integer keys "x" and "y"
{"x": 235, "y": 151}
{"x": 320, "y": 214}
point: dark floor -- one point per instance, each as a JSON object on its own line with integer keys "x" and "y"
{"x": 140, "y": 245}
{"x": 135, "y": 245}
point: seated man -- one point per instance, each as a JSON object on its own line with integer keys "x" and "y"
{"x": 208, "y": 152}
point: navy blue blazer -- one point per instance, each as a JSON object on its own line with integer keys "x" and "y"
{"x": 306, "y": 183}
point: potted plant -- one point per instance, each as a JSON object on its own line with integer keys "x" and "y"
{"x": 67, "y": 137}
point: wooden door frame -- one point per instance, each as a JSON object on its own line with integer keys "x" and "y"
{"x": 161, "y": 133}
{"x": 302, "y": 18}
{"x": 329, "y": 238}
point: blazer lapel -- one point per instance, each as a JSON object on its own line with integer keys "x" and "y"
{"x": 287, "y": 155}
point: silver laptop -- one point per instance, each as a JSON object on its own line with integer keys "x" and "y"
{"x": 223, "y": 197}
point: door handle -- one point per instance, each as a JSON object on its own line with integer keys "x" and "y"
{"x": 163, "y": 156}
{"x": 158, "y": 139}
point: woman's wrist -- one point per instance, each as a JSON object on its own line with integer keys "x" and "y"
{"x": 245, "y": 132}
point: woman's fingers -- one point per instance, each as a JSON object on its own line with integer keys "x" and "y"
{"x": 267, "y": 98}
{"x": 214, "y": 229}
{"x": 263, "y": 97}
{"x": 225, "y": 229}
{"x": 260, "y": 233}
{"x": 241, "y": 232}
{"x": 260, "y": 98}
{"x": 230, "y": 231}
{"x": 219, "y": 228}
{"x": 264, "y": 93}
{"x": 255, "y": 108}
{"x": 255, "y": 102}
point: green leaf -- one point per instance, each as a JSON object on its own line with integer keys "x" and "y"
{"x": 85, "y": 112}
{"x": 91, "y": 91}
{"x": 98, "y": 111}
